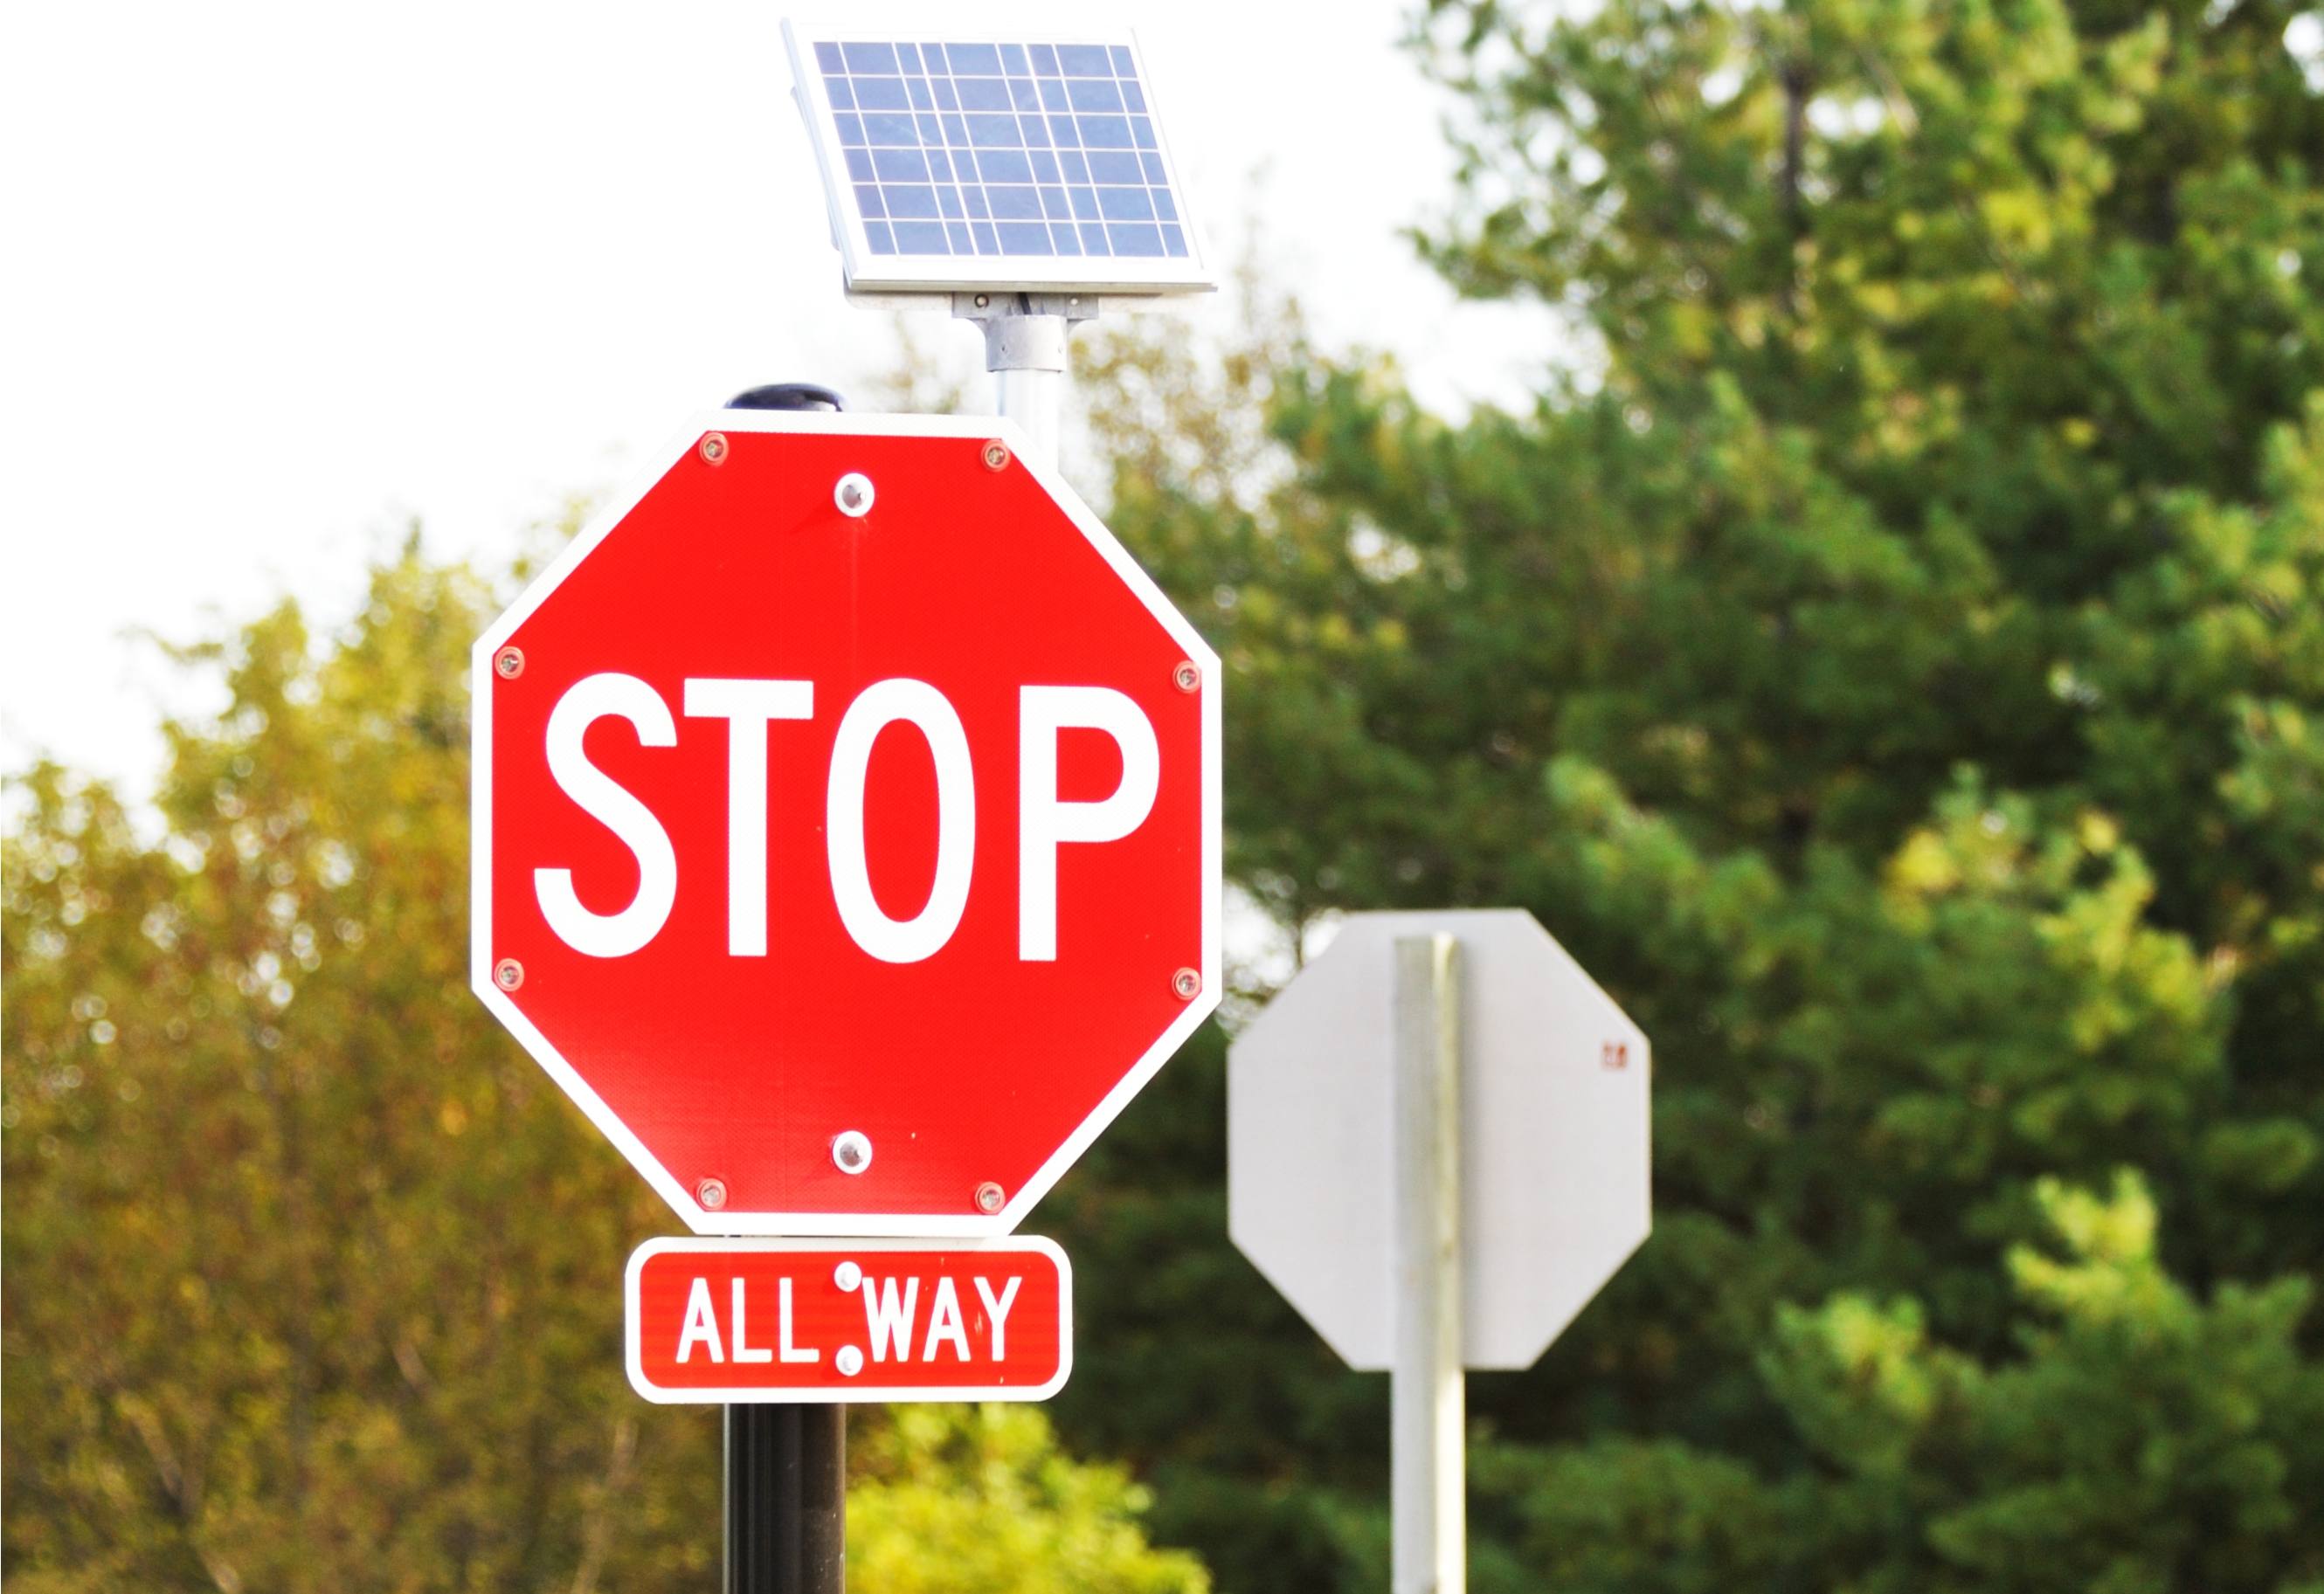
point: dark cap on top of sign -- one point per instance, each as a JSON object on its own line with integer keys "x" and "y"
{"x": 787, "y": 395}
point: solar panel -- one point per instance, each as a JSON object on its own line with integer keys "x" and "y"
{"x": 962, "y": 161}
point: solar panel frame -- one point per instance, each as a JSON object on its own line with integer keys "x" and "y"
{"x": 868, "y": 272}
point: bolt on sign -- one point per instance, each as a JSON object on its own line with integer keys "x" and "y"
{"x": 734, "y": 1321}
{"x": 846, "y": 825}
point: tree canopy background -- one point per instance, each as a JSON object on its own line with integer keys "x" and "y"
{"x": 1888, "y": 655}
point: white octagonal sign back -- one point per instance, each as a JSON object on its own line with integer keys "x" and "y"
{"x": 1554, "y": 1108}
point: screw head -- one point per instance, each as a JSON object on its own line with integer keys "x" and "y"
{"x": 983, "y": 301}
{"x": 508, "y": 974}
{"x": 714, "y": 446}
{"x": 712, "y": 1194}
{"x": 989, "y": 1198}
{"x": 850, "y": 1150}
{"x": 850, "y": 1361}
{"x": 848, "y": 1275}
{"x": 996, "y": 454}
{"x": 1188, "y": 677}
{"x": 1187, "y": 983}
{"x": 854, "y": 495}
{"x": 509, "y": 663}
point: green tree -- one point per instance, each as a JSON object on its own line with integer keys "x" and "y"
{"x": 1890, "y": 655}
{"x": 314, "y": 1278}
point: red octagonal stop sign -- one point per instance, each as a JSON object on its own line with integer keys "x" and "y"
{"x": 847, "y": 825}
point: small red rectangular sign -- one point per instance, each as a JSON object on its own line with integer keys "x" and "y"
{"x": 733, "y": 1321}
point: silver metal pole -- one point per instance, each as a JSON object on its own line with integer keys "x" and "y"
{"x": 1428, "y": 1473}
{"x": 1025, "y": 348}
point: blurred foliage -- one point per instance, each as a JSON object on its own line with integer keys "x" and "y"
{"x": 313, "y": 1277}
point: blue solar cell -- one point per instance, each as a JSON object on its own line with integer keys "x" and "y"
{"x": 1014, "y": 203}
{"x": 994, "y": 132}
{"x": 1124, "y": 205}
{"x": 1028, "y": 150}
{"x": 1006, "y": 166}
{"x": 1132, "y": 238}
{"x": 1115, "y": 166}
{"x": 1095, "y": 94}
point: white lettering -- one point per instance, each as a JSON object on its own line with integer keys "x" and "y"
{"x": 743, "y": 1351}
{"x": 747, "y": 706}
{"x": 887, "y": 1321}
{"x": 1043, "y": 821}
{"x": 945, "y": 1323}
{"x": 998, "y": 1313}
{"x": 790, "y": 1352}
{"x": 609, "y": 935}
{"x": 701, "y": 1323}
{"x": 902, "y": 941}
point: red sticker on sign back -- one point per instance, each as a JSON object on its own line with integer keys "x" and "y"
{"x": 733, "y": 1321}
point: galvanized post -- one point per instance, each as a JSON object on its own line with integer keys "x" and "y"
{"x": 1428, "y": 1475}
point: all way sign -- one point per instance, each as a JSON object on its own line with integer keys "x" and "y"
{"x": 740, "y": 1321}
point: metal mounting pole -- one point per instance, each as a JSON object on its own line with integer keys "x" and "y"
{"x": 1024, "y": 348}
{"x": 785, "y": 1513}
{"x": 786, "y": 1499}
{"x": 1428, "y": 1473}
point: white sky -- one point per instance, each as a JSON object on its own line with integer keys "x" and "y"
{"x": 278, "y": 279}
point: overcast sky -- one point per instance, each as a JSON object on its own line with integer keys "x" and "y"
{"x": 279, "y": 280}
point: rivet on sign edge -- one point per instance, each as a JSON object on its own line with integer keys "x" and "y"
{"x": 989, "y": 1197}
{"x": 848, "y": 1275}
{"x": 996, "y": 454}
{"x": 848, "y": 1140}
{"x": 850, "y": 1361}
{"x": 509, "y": 663}
{"x": 1187, "y": 983}
{"x": 508, "y": 974}
{"x": 711, "y": 1194}
{"x": 859, "y": 486}
{"x": 714, "y": 446}
{"x": 1186, "y": 676}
